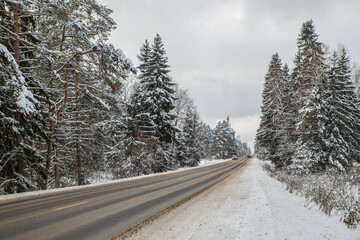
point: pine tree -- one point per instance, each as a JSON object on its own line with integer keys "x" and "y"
{"x": 310, "y": 155}
{"x": 218, "y": 141}
{"x": 310, "y": 119}
{"x": 183, "y": 101}
{"x": 309, "y": 68}
{"x": 344, "y": 130}
{"x": 309, "y": 91}
{"x": 287, "y": 119}
{"x": 271, "y": 129}
{"x": 329, "y": 127}
{"x": 188, "y": 145}
{"x": 356, "y": 80}
{"x": 154, "y": 104}
{"x": 223, "y": 140}
{"x": 205, "y": 139}
{"x": 135, "y": 137}
{"x": 22, "y": 96}
{"x": 162, "y": 89}
{"x": 84, "y": 76}
{"x": 243, "y": 148}
{"x": 231, "y": 147}
{"x": 312, "y": 61}
{"x": 21, "y": 162}
{"x": 185, "y": 139}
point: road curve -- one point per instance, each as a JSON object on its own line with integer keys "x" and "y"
{"x": 101, "y": 212}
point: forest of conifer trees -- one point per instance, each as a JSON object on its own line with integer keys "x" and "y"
{"x": 310, "y": 127}
{"x": 310, "y": 116}
{"x": 72, "y": 105}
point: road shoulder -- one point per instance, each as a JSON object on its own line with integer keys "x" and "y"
{"x": 247, "y": 205}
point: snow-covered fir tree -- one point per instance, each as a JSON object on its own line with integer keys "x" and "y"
{"x": 356, "y": 79}
{"x": 230, "y": 139}
{"x": 310, "y": 155}
{"x": 205, "y": 134}
{"x": 310, "y": 118}
{"x": 242, "y": 148}
{"x": 21, "y": 117}
{"x": 188, "y": 141}
{"x": 344, "y": 130}
{"x": 75, "y": 76}
{"x": 271, "y": 127}
{"x": 183, "y": 102}
{"x": 320, "y": 144}
{"x": 21, "y": 161}
{"x": 154, "y": 105}
{"x": 223, "y": 140}
{"x": 218, "y": 141}
{"x": 87, "y": 73}
{"x": 311, "y": 61}
{"x": 161, "y": 90}
{"x": 287, "y": 119}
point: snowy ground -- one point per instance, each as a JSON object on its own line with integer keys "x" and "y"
{"x": 103, "y": 177}
{"x": 247, "y": 205}
{"x": 209, "y": 161}
{"x": 98, "y": 179}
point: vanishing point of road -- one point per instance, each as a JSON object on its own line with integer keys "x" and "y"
{"x": 101, "y": 212}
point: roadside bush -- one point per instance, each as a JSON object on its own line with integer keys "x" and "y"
{"x": 334, "y": 192}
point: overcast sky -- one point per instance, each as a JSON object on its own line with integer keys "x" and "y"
{"x": 220, "y": 49}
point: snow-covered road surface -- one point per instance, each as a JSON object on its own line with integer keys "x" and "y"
{"x": 247, "y": 205}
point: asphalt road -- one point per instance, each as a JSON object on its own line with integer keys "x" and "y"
{"x": 101, "y": 212}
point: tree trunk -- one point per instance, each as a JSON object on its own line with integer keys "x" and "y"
{"x": 16, "y": 31}
{"x": 19, "y": 156}
{"x": 80, "y": 174}
{"x": 50, "y": 146}
{"x": 57, "y": 172}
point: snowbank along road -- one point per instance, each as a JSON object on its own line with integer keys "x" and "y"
{"x": 103, "y": 211}
{"x": 248, "y": 205}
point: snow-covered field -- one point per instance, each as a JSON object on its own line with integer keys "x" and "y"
{"x": 247, "y": 205}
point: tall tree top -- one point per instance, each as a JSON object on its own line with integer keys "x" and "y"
{"x": 158, "y": 58}
{"x": 144, "y": 56}
{"x": 145, "y": 51}
{"x": 275, "y": 73}
{"x": 307, "y": 34}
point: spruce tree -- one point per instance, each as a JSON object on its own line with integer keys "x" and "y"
{"x": 328, "y": 126}
{"x": 21, "y": 95}
{"x": 268, "y": 136}
{"x": 231, "y": 147}
{"x": 155, "y": 104}
{"x": 22, "y": 168}
{"x": 310, "y": 155}
{"x": 356, "y": 81}
{"x": 162, "y": 92}
{"x": 287, "y": 118}
{"x": 218, "y": 141}
{"x": 84, "y": 74}
{"x": 205, "y": 139}
{"x": 312, "y": 60}
{"x": 223, "y": 140}
{"x": 344, "y": 113}
{"x": 309, "y": 90}
{"x": 188, "y": 147}
{"x": 309, "y": 68}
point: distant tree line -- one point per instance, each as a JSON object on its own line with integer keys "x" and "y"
{"x": 71, "y": 104}
{"x": 310, "y": 118}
